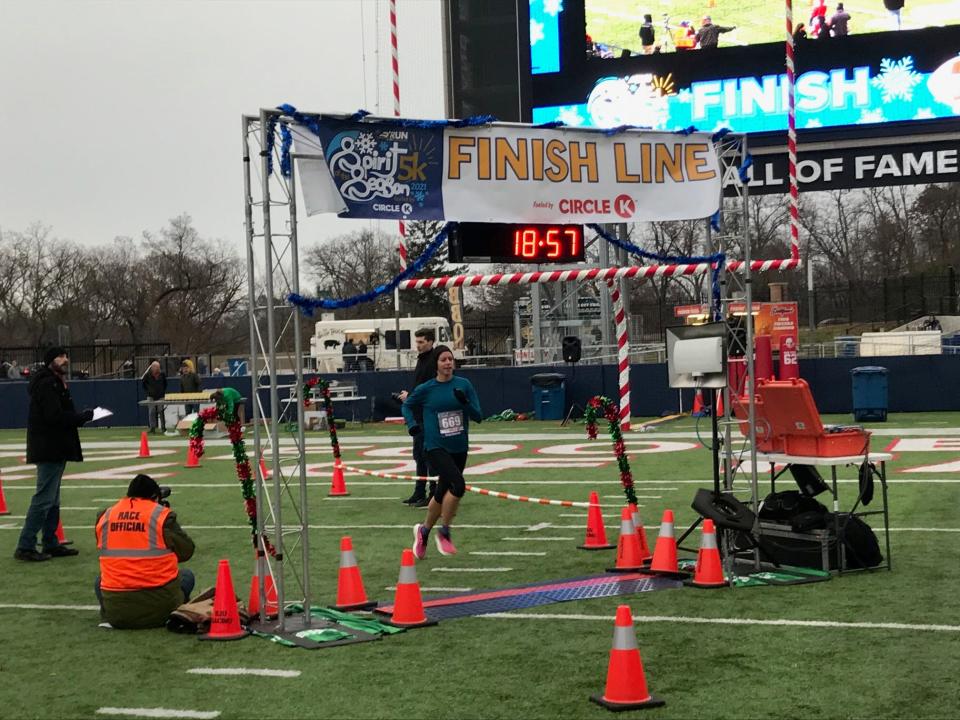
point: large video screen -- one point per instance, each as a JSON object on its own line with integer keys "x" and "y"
{"x": 676, "y": 25}
{"x": 865, "y": 78}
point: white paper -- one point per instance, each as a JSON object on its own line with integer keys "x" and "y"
{"x": 100, "y": 413}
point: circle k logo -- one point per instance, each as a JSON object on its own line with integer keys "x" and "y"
{"x": 624, "y": 206}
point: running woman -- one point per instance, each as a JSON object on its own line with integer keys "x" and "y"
{"x": 448, "y": 403}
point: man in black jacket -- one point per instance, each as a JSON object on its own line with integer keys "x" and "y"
{"x": 426, "y": 369}
{"x": 155, "y": 385}
{"x": 52, "y": 441}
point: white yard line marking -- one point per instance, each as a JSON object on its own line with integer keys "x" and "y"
{"x": 736, "y": 621}
{"x": 538, "y": 526}
{"x": 160, "y": 713}
{"x": 470, "y": 570}
{"x": 948, "y": 530}
{"x": 31, "y": 606}
{"x": 583, "y": 515}
{"x": 263, "y": 672}
{"x": 357, "y": 499}
{"x": 392, "y": 588}
{"x": 541, "y": 539}
{"x": 507, "y": 552}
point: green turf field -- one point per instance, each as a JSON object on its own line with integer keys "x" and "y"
{"x": 616, "y": 22}
{"x": 773, "y": 652}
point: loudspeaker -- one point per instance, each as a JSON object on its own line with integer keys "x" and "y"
{"x": 571, "y": 349}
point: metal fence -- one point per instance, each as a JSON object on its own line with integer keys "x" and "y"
{"x": 100, "y": 360}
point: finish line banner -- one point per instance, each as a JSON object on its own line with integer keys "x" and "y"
{"x": 496, "y": 173}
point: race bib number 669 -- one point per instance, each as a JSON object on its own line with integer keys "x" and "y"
{"x": 450, "y": 422}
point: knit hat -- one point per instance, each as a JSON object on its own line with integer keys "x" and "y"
{"x": 143, "y": 486}
{"x": 52, "y": 354}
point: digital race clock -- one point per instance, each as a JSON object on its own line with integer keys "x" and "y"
{"x": 516, "y": 243}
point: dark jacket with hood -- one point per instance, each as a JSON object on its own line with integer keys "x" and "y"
{"x": 52, "y": 421}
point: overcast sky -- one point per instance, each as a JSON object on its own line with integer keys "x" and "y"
{"x": 117, "y": 115}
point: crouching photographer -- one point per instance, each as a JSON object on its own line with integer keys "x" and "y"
{"x": 140, "y": 544}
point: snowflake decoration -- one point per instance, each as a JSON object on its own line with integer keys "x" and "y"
{"x": 536, "y": 32}
{"x": 924, "y": 114}
{"x": 365, "y": 143}
{"x": 896, "y": 79}
{"x": 552, "y": 7}
{"x": 871, "y": 116}
{"x": 813, "y": 123}
{"x": 570, "y": 116}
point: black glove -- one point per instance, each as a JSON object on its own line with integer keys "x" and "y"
{"x": 86, "y": 416}
{"x": 414, "y": 431}
{"x": 461, "y": 396}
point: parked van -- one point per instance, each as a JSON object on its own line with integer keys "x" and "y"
{"x": 363, "y": 345}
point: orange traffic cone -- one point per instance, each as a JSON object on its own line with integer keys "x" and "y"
{"x": 350, "y": 592}
{"x": 697, "y": 404}
{"x": 665, "y": 552}
{"x": 407, "y": 603}
{"x": 192, "y": 460}
{"x": 626, "y": 687}
{"x": 61, "y": 538}
{"x": 709, "y": 570}
{"x": 264, "y": 473}
{"x": 628, "y": 547}
{"x": 338, "y": 488}
{"x": 3, "y": 500}
{"x": 645, "y": 554}
{"x": 269, "y": 592}
{"x": 144, "y": 445}
{"x": 225, "y": 624}
{"x": 596, "y": 538}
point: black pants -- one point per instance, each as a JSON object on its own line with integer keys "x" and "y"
{"x": 423, "y": 468}
{"x": 449, "y": 466}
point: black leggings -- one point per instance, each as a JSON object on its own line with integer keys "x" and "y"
{"x": 449, "y": 466}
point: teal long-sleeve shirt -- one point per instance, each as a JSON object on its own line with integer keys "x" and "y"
{"x": 446, "y": 422}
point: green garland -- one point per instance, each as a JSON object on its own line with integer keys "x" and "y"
{"x": 600, "y": 405}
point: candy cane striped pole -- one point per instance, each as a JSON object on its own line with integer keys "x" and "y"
{"x": 395, "y": 64}
{"x": 623, "y": 354}
{"x": 388, "y": 476}
{"x": 584, "y": 275}
{"x": 524, "y": 498}
{"x": 792, "y": 140}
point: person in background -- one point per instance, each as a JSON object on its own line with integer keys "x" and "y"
{"x": 155, "y": 385}
{"x": 52, "y": 441}
{"x": 684, "y": 37}
{"x": 189, "y": 382}
{"x": 840, "y": 22}
{"x": 708, "y": 36}
{"x": 425, "y": 370}
{"x": 647, "y": 34}
{"x": 818, "y": 20}
{"x": 895, "y": 7}
{"x": 446, "y": 404}
{"x": 216, "y": 372}
{"x": 13, "y": 370}
{"x": 800, "y": 34}
{"x": 349, "y": 351}
{"x": 141, "y": 544}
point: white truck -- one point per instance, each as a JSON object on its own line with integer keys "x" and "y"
{"x": 374, "y": 343}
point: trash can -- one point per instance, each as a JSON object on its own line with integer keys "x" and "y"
{"x": 549, "y": 395}
{"x": 869, "y": 393}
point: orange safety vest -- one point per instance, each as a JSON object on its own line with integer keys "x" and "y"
{"x": 133, "y": 555}
{"x": 682, "y": 39}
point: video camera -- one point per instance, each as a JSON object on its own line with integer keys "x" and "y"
{"x": 164, "y": 494}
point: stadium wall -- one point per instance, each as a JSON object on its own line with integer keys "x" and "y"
{"x": 916, "y": 383}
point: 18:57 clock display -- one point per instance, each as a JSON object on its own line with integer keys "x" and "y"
{"x": 516, "y": 243}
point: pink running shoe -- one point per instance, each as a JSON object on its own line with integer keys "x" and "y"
{"x": 445, "y": 544}
{"x": 419, "y": 542}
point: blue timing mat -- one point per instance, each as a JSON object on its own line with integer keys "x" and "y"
{"x": 546, "y": 593}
